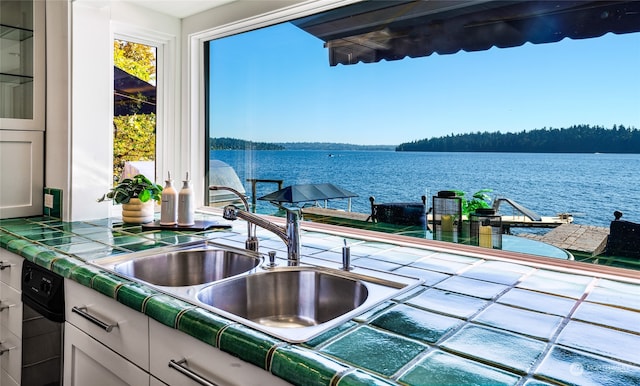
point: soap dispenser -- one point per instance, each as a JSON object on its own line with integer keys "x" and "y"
{"x": 169, "y": 206}
{"x": 185, "y": 204}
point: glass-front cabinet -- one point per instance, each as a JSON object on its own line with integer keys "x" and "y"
{"x": 22, "y": 124}
{"x": 21, "y": 65}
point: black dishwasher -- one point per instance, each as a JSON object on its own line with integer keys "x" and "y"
{"x": 42, "y": 326}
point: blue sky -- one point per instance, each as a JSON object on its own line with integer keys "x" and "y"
{"x": 276, "y": 85}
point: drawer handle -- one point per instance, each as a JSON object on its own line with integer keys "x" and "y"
{"x": 4, "y": 265}
{"x": 181, "y": 367}
{"x": 82, "y": 311}
{"x": 4, "y": 306}
{"x": 4, "y": 349}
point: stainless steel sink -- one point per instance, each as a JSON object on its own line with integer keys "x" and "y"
{"x": 287, "y": 299}
{"x": 182, "y": 267}
{"x": 190, "y": 267}
{"x": 291, "y": 303}
{"x": 298, "y": 303}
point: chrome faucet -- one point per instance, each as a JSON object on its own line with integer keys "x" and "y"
{"x": 252, "y": 241}
{"x": 290, "y": 235}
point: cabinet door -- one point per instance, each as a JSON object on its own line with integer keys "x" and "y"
{"x": 171, "y": 348}
{"x": 22, "y": 65}
{"x": 88, "y": 362}
{"x": 11, "y": 268}
{"x": 131, "y": 336}
{"x": 21, "y": 173}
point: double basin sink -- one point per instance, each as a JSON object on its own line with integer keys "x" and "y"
{"x": 293, "y": 303}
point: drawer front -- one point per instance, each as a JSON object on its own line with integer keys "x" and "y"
{"x": 129, "y": 335}
{"x": 168, "y": 346}
{"x": 11, "y": 360}
{"x": 6, "y": 380}
{"x": 88, "y": 362}
{"x": 10, "y": 309}
{"x": 10, "y": 268}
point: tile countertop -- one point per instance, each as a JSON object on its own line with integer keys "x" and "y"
{"x": 476, "y": 319}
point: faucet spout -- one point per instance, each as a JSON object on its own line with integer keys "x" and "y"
{"x": 252, "y": 241}
{"x": 290, "y": 235}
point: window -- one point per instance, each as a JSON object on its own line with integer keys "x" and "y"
{"x": 134, "y": 121}
{"x": 336, "y": 97}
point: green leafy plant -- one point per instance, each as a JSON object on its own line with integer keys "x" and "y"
{"x": 139, "y": 187}
{"x": 480, "y": 199}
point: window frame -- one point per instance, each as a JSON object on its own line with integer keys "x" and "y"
{"x": 195, "y": 118}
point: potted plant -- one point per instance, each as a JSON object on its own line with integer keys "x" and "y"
{"x": 480, "y": 200}
{"x": 136, "y": 195}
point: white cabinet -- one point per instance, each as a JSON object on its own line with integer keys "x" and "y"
{"x": 129, "y": 332}
{"x": 21, "y": 173}
{"x": 106, "y": 340}
{"x": 103, "y": 340}
{"x": 22, "y": 95}
{"x": 89, "y": 362}
{"x": 178, "y": 359}
{"x": 22, "y": 65}
{"x": 10, "y": 318}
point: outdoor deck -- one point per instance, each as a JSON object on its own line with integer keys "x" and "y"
{"x": 583, "y": 239}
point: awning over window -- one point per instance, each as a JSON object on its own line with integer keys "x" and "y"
{"x": 393, "y": 30}
{"x": 132, "y": 95}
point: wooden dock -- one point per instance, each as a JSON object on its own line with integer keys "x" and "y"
{"x": 326, "y": 214}
{"x": 583, "y": 239}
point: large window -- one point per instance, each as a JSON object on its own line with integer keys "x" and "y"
{"x": 339, "y": 97}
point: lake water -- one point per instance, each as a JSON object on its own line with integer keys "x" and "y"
{"x": 590, "y": 186}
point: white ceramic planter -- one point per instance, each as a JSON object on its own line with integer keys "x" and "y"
{"x": 136, "y": 212}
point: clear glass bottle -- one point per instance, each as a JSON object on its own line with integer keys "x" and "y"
{"x": 185, "y": 204}
{"x": 169, "y": 206}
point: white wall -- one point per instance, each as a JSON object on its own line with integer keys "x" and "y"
{"x": 79, "y": 132}
{"x": 80, "y": 85}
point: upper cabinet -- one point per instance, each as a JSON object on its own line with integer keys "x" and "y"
{"x": 22, "y": 65}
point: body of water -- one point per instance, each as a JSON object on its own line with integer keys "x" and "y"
{"x": 590, "y": 186}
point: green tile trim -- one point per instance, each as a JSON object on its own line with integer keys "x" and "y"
{"x": 84, "y": 274}
{"x": 202, "y": 324}
{"x": 17, "y": 245}
{"x": 135, "y": 295}
{"x": 304, "y": 367}
{"x": 107, "y": 284}
{"x": 165, "y": 309}
{"x": 64, "y": 265}
{"x": 32, "y": 252}
{"x": 5, "y": 238}
{"x": 247, "y": 344}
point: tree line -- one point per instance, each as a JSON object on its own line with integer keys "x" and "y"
{"x": 574, "y": 139}
{"x": 240, "y": 144}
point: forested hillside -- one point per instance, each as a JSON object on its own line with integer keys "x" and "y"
{"x": 575, "y": 139}
{"x": 240, "y": 144}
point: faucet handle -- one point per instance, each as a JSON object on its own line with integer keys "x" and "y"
{"x": 230, "y": 213}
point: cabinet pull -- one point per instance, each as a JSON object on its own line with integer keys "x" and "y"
{"x": 82, "y": 311}
{"x": 180, "y": 367}
{"x": 4, "y": 349}
{"x": 4, "y": 265}
{"x": 4, "y": 306}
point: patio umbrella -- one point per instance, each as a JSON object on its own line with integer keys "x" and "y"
{"x": 307, "y": 192}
